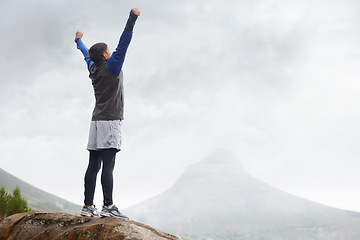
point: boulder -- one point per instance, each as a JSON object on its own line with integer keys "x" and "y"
{"x": 63, "y": 225}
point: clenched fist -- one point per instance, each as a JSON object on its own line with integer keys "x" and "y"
{"x": 79, "y": 34}
{"x": 136, "y": 11}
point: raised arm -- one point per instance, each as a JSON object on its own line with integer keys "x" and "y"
{"x": 81, "y": 46}
{"x": 116, "y": 61}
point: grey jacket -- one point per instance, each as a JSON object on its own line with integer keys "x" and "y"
{"x": 109, "y": 93}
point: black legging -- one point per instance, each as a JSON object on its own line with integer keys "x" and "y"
{"x": 107, "y": 157}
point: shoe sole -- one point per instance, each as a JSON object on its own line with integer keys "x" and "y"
{"x": 88, "y": 215}
{"x": 105, "y": 215}
{"x": 112, "y": 215}
{"x": 85, "y": 214}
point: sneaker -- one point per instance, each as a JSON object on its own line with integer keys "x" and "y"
{"x": 112, "y": 212}
{"x": 89, "y": 212}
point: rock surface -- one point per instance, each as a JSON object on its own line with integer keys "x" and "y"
{"x": 62, "y": 225}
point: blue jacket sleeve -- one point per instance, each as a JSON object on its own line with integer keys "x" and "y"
{"x": 116, "y": 61}
{"x": 81, "y": 46}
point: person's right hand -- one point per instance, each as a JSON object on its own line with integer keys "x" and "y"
{"x": 79, "y": 34}
{"x": 136, "y": 11}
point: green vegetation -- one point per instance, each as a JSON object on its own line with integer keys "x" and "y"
{"x": 12, "y": 203}
{"x": 38, "y": 199}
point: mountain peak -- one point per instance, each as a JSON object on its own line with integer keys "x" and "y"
{"x": 221, "y": 161}
{"x": 217, "y": 197}
{"x": 220, "y": 167}
{"x": 221, "y": 156}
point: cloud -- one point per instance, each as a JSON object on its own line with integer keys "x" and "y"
{"x": 275, "y": 81}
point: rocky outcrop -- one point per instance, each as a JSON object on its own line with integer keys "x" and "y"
{"x": 61, "y": 225}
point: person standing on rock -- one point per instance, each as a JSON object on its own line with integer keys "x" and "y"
{"x": 105, "y": 129}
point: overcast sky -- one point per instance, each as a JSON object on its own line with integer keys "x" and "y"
{"x": 276, "y": 82}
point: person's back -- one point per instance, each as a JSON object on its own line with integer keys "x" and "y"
{"x": 108, "y": 90}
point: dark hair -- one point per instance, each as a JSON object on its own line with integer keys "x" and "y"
{"x": 96, "y": 52}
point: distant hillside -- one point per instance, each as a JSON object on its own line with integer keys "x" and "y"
{"x": 38, "y": 199}
{"x": 217, "y": 199}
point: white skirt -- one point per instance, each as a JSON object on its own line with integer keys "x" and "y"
{"x": 104, "y": 135}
